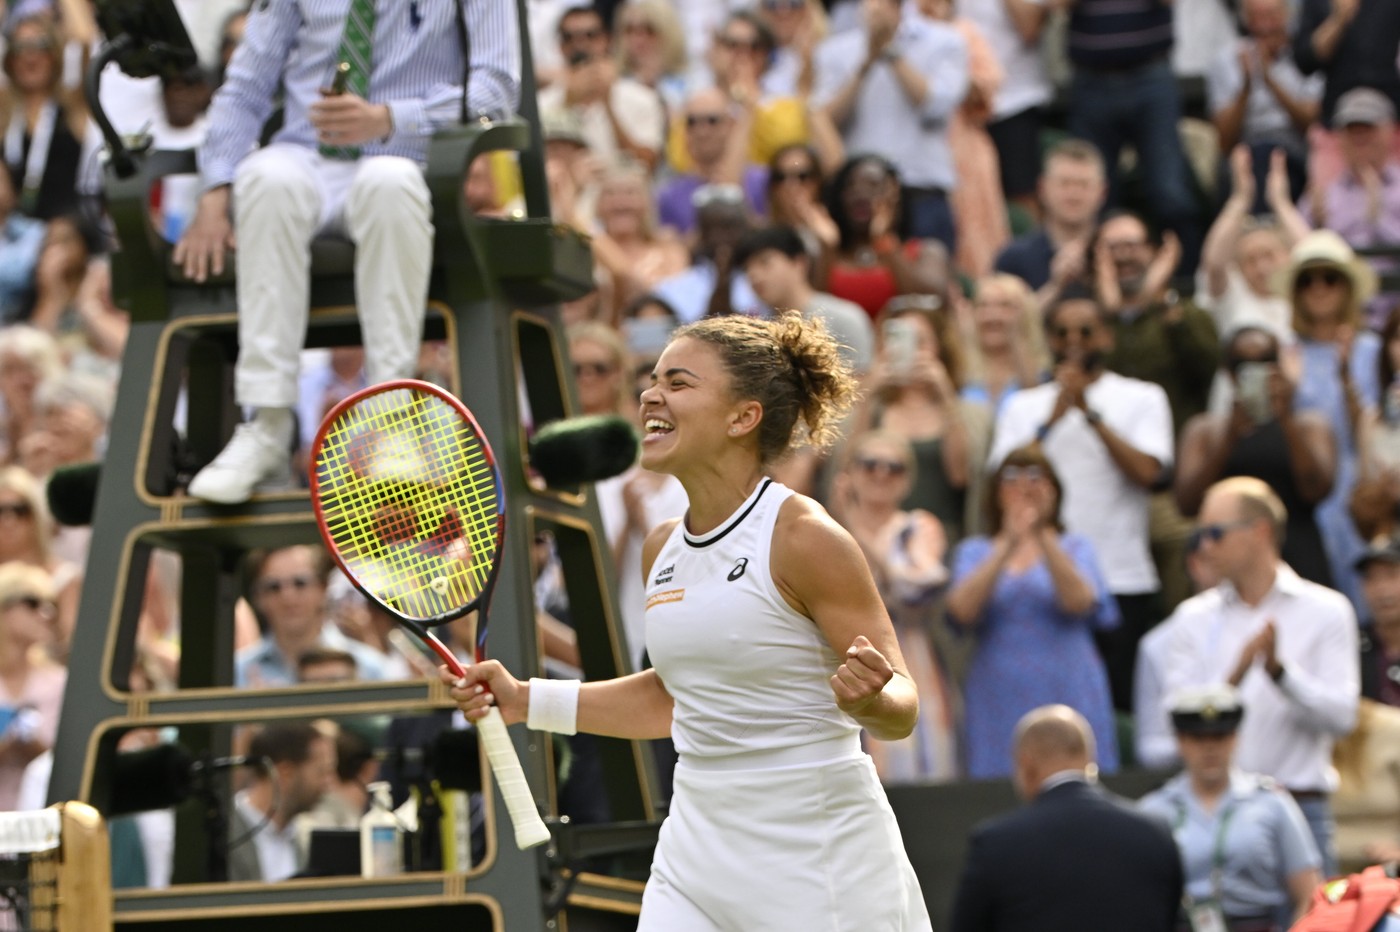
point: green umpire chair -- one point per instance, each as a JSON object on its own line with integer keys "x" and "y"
{"x": 496, "y": 286}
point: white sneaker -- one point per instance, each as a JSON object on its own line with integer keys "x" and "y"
{"x": 252, "y": 461}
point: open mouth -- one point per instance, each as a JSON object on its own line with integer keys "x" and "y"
{"x": 656, "y": 426}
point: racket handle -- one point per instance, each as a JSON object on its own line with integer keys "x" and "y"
{"x": 530, "y": 829}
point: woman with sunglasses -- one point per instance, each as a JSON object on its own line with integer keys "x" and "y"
{"x": 650, "y": 48}
{"x": 31, "y": 684}
{"x": 905, "y": 550}
{"x": 1033, "y": 597}
{"x": 1336, "y": 361}
{"x": 50, "y": 145}
{"x": 27, "y": 536}
{"x": 795, "y": 180}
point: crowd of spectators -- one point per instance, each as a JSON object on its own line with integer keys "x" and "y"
{"x": 1085, "y": 273}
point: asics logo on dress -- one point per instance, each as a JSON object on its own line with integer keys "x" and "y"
{"x": 739, "y": 568}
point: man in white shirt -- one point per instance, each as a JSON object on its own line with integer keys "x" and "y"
{"x": 261, "y": 834}
{"x": 1109, "y": 438}
{"x": 891, "y": 88}
{"x": 1290, "y": 647}
{"x": 623, "y": 120}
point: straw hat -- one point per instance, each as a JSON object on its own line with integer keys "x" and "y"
{"x": 1324, "y": 248}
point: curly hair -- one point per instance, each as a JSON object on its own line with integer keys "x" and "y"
{"x": 792, "y": 367}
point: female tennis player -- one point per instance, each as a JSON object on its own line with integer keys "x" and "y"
{"x": 771, "y": 647}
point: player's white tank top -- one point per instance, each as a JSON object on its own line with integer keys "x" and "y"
{"x": 749, "y": 676}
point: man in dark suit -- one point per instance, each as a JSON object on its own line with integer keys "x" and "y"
{"x": 1076, "y": 858}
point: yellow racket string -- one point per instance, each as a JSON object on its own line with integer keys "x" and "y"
{"x": 408, "y": 497}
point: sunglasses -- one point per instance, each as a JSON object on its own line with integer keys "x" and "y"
{"x": 32, "y": 602}
{"x": 1023, "y": 474}
{"x": 873, "y": 464}
{"x": 580, "y": 35}
{"x": 20, "y": 511}
{"x": 774, "y": 6}
{"x": 1085, "y": 331}
{"x": 32, "y": 45}
{"x": 693, "y": 120}
{"x": 298, "y": 583}
{"x": 1329, "y": 277}
{"x": 740, "y": 45}
{"x": 1236, "y": 364}
{"x": 803, "y": 175}
{"x": 1213, "y": 533}
{"x": 595, "y": 369}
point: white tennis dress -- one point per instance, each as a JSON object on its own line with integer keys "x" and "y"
{"x": 778, "y": 821}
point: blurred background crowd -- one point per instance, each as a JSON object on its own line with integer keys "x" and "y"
{"x": 1089, "y": 259}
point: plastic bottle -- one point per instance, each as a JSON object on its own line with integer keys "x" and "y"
{"x": 381, "y": 838}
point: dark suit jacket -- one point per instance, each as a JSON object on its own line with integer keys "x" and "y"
{"x": 1077, "y": 859}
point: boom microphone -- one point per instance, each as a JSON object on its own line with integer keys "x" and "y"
{"x": 575, "y": 450}
{"x": 71, "y": 492}
{"x": 160, "y": 777}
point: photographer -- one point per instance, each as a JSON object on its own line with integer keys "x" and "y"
{"x": 1293, "y": 452}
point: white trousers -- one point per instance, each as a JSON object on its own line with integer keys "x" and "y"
{"x": 285, "y": 196}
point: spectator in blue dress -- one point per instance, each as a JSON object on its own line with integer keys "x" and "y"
{"x": 1033, "y": 597}
{"x": 1336, "y": 361}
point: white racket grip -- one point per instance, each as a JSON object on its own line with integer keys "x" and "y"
{"x": 530, "y": 829}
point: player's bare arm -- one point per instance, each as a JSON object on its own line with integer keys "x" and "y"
{"x": 820, "y": 571}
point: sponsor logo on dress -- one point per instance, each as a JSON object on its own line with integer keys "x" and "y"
{"x": 664, "y": 576}
{"x": 661, "y": 598}
{"x": 739, "y": 567}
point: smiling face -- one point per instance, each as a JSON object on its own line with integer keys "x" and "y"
{"x": 737, "y": 44}
{"x": 599, "y": 374}
{"x": 623, "y": 203}
{"x": 867, "y": 185}
{"x": 1129, "y": 244}
{"x": 1261, "y": 253}
{"x": 1323, "y": 294}
{"x": 996, "y": 312}
{"x": 1076, "y": 333}
{"x": 33, "y": 57}
{"x": 881, "y": 470}
{"x": 689, "y": 409}
{"x": 290, "y": 593}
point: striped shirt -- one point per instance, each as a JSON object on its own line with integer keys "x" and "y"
{"x": 1119, "y": 33}
{"x": 291, "y": 46}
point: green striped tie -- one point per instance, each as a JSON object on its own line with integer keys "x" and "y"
{"x": 355, "y": 50}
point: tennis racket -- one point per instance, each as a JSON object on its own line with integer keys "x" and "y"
{"x": 408, "y": 500}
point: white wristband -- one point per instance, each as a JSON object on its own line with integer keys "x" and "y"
{"x": 553, "y": 706}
